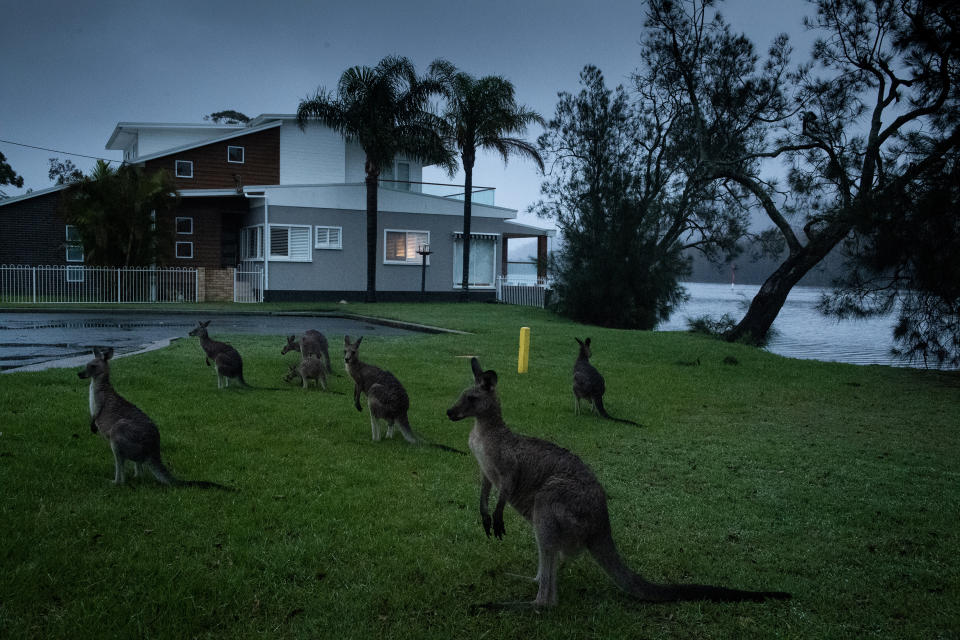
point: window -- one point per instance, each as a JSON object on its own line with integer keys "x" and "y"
{"x": 396, "y": 176}
{"x": 290, "y": 242}
{"x": 74, "y": 274}
{"x": 251, "y": 243}
{"x": 400, "y": 247}
{"x": 328, "y": 238}
{"x": 235, "y": 155}
{"x": 403, "y": 176}
{"x": 184, "y": 169}
{"x": 184, "y": 249}
{"x": 74, "y": 246}
{"x": 184, "y": 226}
{"x": 483, "y": 259}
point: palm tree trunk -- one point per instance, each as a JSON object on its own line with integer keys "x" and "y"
{"x": 468, "y": 160}
{"x": 373, "y": 173}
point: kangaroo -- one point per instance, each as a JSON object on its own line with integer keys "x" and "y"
{"x": 560, "y": 496}
{"x": 227, "y": 362}
{"x": 131, "y": 433}
{"x": 589, "y": 384}
{"x": 309, "y": 368}
{"x": 386, "y": 397}
{"x": 311, "y": 341}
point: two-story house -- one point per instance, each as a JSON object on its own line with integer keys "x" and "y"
{"x": 289, "y": 201}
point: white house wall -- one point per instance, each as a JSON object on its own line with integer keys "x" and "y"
{"x": 150, "y": 141}
{"x": 316, "y": 155}
{"x": 355, "y": 169}
{"x": 353, "y": 196}
{"x": 344, "y": 270}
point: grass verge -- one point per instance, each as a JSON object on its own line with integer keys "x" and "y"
{"x": 835, "y": 482}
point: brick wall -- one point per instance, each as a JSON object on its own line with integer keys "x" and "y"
{"x": 215, "y": 285}
{"x": 32, "y": 232}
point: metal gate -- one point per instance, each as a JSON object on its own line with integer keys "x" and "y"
{"x": 248, "y": 283}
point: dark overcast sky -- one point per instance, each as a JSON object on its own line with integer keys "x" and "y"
{"x": 72, "y": 70}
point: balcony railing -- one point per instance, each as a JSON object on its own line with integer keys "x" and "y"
{"x": 481, "y": 195}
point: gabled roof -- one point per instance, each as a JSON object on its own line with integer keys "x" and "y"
{"x": 33, "y": 194}
{"x": 124, "y": 130}
{"x": 202, "y": 143}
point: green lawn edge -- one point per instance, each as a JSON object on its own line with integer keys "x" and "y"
{"x": 838, "y": 483}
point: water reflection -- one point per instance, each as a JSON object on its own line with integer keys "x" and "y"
{"x": 800, "y": 330}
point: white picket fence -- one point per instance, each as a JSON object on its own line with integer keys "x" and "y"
{"x": 527, "y": 293}
{"x": 80, "y": 283}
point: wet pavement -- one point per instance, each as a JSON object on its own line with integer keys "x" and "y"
{"x": 36, "y": 340}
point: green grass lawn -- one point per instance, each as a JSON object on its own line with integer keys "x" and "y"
{"x": 838, "y": 483}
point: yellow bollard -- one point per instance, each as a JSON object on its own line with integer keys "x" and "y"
{"x": 524, "y": 359}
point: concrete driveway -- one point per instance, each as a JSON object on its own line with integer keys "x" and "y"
{"x": 30, "y": 341}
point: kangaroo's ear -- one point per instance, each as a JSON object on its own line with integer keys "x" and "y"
{"x": 357, "y": 343}
{"x": 587, "y": 342}
{"x": 477, "y": 369}
{"x": 346, "y": 341}
{"x": 96, "y": 352}
{"x": 579, "y": 341}
{"x": 488, "y": 380}
{"x": 107, "y": 353}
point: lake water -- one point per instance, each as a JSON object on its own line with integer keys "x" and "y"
{"x": 800, "y": 330}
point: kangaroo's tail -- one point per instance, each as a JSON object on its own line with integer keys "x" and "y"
{"x": 603, "y": 413}
{"x": 605, "y": 553}
{"x": 326, "y": 360}
{"x": 404, "y": 423}
{"x": 414, "y": 438}
{"x": 446, "y": 448}
{"x": 163, "y": 475}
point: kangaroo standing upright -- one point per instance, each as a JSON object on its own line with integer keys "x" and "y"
{"x": 589, "y": 384}
{"x": 131, "y": 433}
{"x": 559, "y": 495}
{"x": 386, "y": 397}
{"x": 226, "y": 360}
{"x": 311, "y": 342}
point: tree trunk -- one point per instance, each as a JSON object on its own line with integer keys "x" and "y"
{"x": 468, "y": 160}
{"x": 768, "y": 302}
{"x": 373, "y": 173}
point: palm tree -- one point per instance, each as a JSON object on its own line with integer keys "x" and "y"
{"x": 121, "y": 214}
{"x": 481, "y": 113}
{"x": 385, "y": 109}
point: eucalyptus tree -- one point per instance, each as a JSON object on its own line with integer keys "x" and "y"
{"x": 628, "y": 200}
{"x": 867, "y": 118}
{"x": 7, "y": 174}
{"x": 482, "y": 114}
{"x": 386, "y": 110}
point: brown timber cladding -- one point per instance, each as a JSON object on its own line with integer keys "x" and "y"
{"x": 261, "y": 163}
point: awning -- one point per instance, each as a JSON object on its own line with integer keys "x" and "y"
{"x": 477, "y": 236}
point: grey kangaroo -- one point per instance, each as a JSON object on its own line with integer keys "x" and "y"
{"x": 226, "y": 360}
{"x": 131, "y": 433}
{"x": 559, "y": 495}
{"x": 386, "y": 397}
{"x": 589, "y": 384}
{"x": 312, "y": 341}
{"x": 309, "y": 368}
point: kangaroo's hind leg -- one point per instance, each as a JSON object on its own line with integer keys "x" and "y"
{"x": 374, "y": 421}
{"x": 119, "y": 474}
